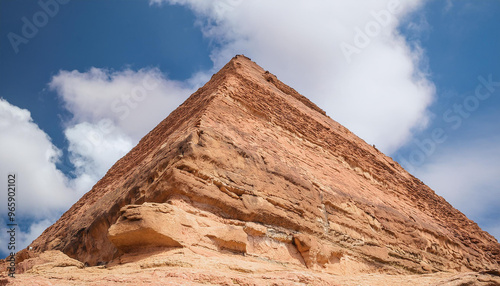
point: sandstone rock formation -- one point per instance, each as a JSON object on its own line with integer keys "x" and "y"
{"x": 249, "y": 171}
{"x": 184, "y": 267}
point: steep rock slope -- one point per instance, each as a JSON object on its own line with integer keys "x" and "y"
{"x": 247, "y": 166}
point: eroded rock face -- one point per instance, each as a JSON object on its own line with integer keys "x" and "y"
{"x": 249, "y": 167}
{"x": 148, "y": 225}
{"x": 183, "y": 267}
{"x": 176, "y": 225}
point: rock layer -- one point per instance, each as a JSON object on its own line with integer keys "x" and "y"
{"x": 248, "y": 166}
{"x": 183, "y": 267}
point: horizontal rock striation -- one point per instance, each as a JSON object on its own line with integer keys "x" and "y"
{"x": 248, "y": 166}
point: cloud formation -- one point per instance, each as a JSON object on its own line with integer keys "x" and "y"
{"x": 468, "y": 177}
{"x": 93, "y": 150}
{"x": 133, "y": 101}
{"x": 112, "y": 111}
{"x": 42, "y": 191}
{"x": 29, "y": 153}
{"x": 347, "y": 57}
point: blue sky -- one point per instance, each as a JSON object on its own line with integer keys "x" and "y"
{"x": 420, "y": 80}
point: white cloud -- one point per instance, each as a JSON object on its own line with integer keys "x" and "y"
{"x": 35, "y": 229}
{"x": 26, "y": 150}
{"x": 378, "y": 91}
{"x": 468, "y": 177}
{"x": 112, "y": 111}
{"x": 41, "y": 189}
{"x": 134, "y": 101}
{"x": 93, "y": 149}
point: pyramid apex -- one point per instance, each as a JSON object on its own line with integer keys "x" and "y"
{"x": 241, "y": 57}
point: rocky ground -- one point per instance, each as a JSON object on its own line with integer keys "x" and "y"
{"x": 214, "y": 268}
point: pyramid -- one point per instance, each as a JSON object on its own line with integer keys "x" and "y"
{"x": 248, "y": 168}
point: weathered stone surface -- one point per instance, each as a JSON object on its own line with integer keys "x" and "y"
{"x": 182, "y": 267}
{"x": 316, "y": 252}
{"x": 255, "y": 229}
{"x": 232, "y": 238}
{"x": 147, "y": 225}
{"x": 248, "y": 168}
{"x": 48, "y": 260}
